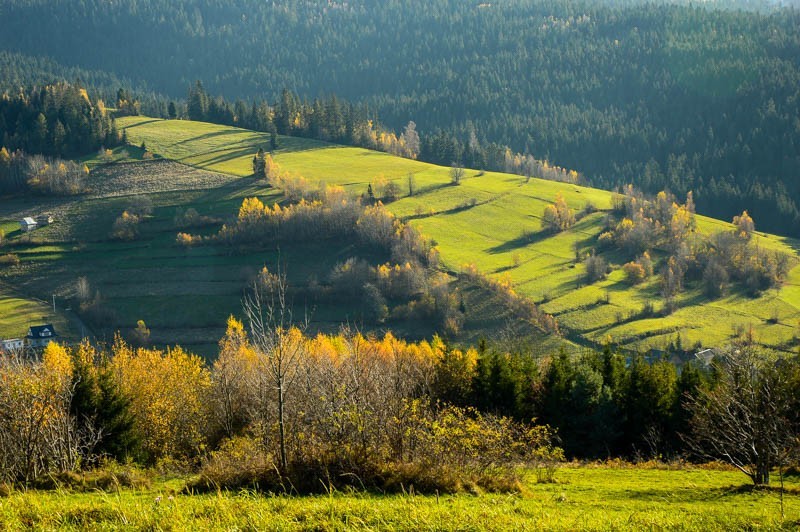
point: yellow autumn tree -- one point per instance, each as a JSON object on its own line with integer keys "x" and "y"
{"x": 558, "y": 216}
{"x": 744, "y": 225}
{"x": 232, "y": 396}
{"x": 167, "y": 391}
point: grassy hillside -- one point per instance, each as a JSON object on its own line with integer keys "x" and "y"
{"x": 583, "y": 499}
{"x": 18, "y": 312}
{"x": 183, "y": 295}
{"x": 493, "y": 221}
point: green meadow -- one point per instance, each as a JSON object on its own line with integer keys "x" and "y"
{"x": 493, "y": 221}
{"x": 18, "y": 312}
{"x": 583, "y": 498}
{"x": 184, "y": 295}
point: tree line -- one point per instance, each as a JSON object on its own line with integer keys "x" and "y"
{"x": 56, "y": 120}
{"x": 279, "y": 410}
{"x": 42, "y": 175}
{"x": 665, "y": 95}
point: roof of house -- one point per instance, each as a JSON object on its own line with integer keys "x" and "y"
{"x": 706, "y": 355}
{"x": 42, "y": 331}
{"x": 28, "y": 221}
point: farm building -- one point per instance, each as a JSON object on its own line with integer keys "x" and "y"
{"x": 41, "y": 335}
{"x": 11, "y": 344}
{"x": 27, "y": 224}
{"x": 705, "y": 356}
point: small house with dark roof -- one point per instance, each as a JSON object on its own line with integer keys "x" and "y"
{"x": 41, "y": 335}
{"x": 27, "y": 224}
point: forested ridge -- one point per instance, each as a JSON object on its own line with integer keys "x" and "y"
{"x": 664, "y": 96}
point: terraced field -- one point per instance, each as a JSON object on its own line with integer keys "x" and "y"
{"x": 491, "y": 220}
{"x": 183, "y": 295}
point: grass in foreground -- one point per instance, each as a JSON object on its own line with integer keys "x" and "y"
{"x": 583, "y": 499}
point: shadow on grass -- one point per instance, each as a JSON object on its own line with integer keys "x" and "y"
{"x": 520, "y": 242}
{"x": 751, "y": 488}
{"x": 142, "y": 123}
{"x": 221, "y": 133}
{"x": 229, "y": 155}
{"x": 705, "y": 494}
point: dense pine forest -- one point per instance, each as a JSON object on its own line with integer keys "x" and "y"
{"x": 661, "y": 95}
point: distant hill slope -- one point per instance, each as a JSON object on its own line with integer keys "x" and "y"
{"x": 185, "y": 295}
{"x": 493, "y": 221}
{"x": 679, "y": 95}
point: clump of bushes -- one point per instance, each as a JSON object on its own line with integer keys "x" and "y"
{"x": 126, "y": 226}
{"x": 426, "y": 447}
{"x": 558, "y": 216}
{"x": 191, "y": 218}
{"x": 596, "y": 268}
{"x": 9, "y": 259}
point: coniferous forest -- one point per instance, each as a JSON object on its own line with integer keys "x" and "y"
{"x": 662, "y": 95}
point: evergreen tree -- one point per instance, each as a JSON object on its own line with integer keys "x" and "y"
{"x": 197, "y": 103}
{"x": 260, "y": 165}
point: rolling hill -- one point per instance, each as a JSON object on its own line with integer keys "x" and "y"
{"x": 491, "y": 221}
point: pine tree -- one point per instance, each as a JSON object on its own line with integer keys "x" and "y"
{"x": 273, "y": 138}
{"x": 260, "y": 165}
{"x": 197, "y": 104}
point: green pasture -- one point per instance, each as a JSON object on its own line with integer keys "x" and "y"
{"x": 184, "y": 295}
{"x": 491, "y": 220}
{"x": 18, "y": 313}
{"x": 583, "y": 498}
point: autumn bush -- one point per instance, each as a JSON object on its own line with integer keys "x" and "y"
{"x": 558, "y": 216}
{"x": 38, "y": 436}
{"x": 640, "y": 224}
{"x": 55, "y": 176}
{"x": 126, "y": 227}
{"x": 9, "y": 259}
{"x": 428, "y": 448}
{"x": 239, "y": 463}
{"x": 109, "y": 476}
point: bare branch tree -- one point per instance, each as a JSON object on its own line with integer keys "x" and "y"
{"x": 456, "y": 173}
{"x": 748, "y": 418}
{"x": 277, "y": 340}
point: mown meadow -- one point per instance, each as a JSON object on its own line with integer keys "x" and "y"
{"x": 583, "y": 498}
{"x": 493, "y": 221}
{"x": 184, "y": 295}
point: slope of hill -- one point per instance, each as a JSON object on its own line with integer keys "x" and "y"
{"x": 658, "y": 94}
{"x": 493, "y": 221}
{"x": 184, "y": 295}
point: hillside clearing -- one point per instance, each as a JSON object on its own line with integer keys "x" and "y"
{"x": 491, "y": 221}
